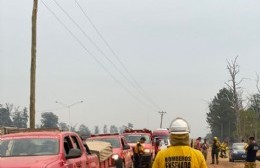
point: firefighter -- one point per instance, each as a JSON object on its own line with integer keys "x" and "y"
{"x": 138, "y": 152}
{"x": 179, "y": 154}
{"x": 215, "y": 150}
{"x": 223, "y": 149}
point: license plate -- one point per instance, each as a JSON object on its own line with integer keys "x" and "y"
{"x": 243, "y": 156}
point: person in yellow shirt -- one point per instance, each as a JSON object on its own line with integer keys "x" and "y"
{"x": 138, "y": 152}
{"x": 179, "y": 154}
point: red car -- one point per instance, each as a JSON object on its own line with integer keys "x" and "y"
{"x": 121, "y": 150}
{"x": 46, "y": 149}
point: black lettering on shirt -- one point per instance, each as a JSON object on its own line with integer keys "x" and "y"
{"x": 178, "y": 162}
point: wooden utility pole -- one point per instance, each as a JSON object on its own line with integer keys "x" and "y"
{"x": 33, "y": 64}
{"x": 161, "y": 113}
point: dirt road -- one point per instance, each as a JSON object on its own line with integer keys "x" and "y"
{"x": 224, "y": 163}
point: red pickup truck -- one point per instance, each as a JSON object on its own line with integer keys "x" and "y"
{"x": 121, "y": 150}
{"x": 132, "y": 136}
{"x": 48, "y": 149}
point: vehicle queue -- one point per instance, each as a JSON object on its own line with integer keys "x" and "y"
{"x": 133, "y": 148}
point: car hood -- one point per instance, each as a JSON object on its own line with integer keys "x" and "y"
{"x": 27, "y": 161}
{"x": 239, "y": 151}
{"x": 146, "y": 145}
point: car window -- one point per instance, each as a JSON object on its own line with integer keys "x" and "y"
{"x": 67, "y": 145}
{"x": 134, "y": 138}
{"x": 238, "y": 146}
{"x": 29, "y": 147}
{"x": 75, "y": 142}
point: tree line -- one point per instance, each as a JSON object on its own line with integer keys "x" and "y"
{"x": 12, "y": 116}
{"x": 231, "y": 116}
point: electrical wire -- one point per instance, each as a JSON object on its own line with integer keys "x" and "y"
{"x": 117, "y": 57}
{"x": 133, "y": 84}
{"x": 83, "y": 46}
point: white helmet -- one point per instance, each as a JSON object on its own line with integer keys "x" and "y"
{"x": 179, "y": 126}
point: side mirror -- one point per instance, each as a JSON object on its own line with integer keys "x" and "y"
{"x": 74, "y": 153}
{"x": 126, "y": 147}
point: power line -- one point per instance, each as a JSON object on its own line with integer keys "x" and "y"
{"x": 104, "y": 55}
{"x": 102, "y": 66}
{"x": 117, "y": 57}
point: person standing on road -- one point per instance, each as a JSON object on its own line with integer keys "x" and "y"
{"x": 204, "y": 149}
{"x": 215, "y": 150}
{"x": 198, "y": 144}
{"x": 223, "y": 149}
{"x": 179, "y": 154}
{"x": 251, "y": 151}
{"x": 138, "y": 152}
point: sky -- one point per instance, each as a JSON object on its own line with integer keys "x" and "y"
{"x": 176, "y": 53}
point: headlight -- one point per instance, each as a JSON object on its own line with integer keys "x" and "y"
{"x": 115, "y": 157}
{"x": 147, "y": 151}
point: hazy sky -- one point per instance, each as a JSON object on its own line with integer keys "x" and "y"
{"x": 177, "y": 51}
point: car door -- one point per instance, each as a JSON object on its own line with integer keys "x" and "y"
{"x": 71, "y": 162}
{"x": 126, "y": 152}
{"x": 77, "y": 144}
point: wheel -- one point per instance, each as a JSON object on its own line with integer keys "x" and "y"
{"x": 120, "y": 164}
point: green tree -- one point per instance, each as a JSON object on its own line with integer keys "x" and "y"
{"x": 96, "y": 130}
{"x": 130, "y": 125}
{"x": 20, "y": 118}
{"x": 221, "y": 116}
{"x": 84, "y": 131}
{"x": 105, "y": 129}
{"x": 49, "y": 120}
{"x": 5, "y": 113}
{"x": 254, "y": 112}
{"x": 63, "y": 126}
{"x": 113, "y": 129}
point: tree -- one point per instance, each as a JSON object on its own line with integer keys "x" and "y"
{"x": 63, "y": 126}
{"x": 130, "y": 125}
{"x": 96, "y": 131}
{"x": 49, "y": 120}
{"x": 20, "y": 118}
{"x": 254, "y": 108}
{"x": 113, "y": 129}
{"x": 84, "y": 131}
{"x": 5, "y": 119}
{"x": 233, "y": 85}
{"x": 221, "y": 117}
{"x": 105, "y": 129}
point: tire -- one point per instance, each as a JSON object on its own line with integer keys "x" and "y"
{"x": 120, "y": 164}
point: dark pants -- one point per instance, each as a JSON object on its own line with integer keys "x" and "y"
{"x": 214, "y": 154}
{"x": 137, "y": 161}
{"x": 223, "y": 153}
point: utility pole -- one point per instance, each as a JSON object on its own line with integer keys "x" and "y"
{"x": 33, "y": 65}
{"x": 161, "y": 113}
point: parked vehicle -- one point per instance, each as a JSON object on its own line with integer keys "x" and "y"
{"x": 237, "y": 152}
{"x": 161, "y": 139}
{"x": 133, "y": 136}
{"x": 46, "y": 148}
{"x": 121, "y": 150}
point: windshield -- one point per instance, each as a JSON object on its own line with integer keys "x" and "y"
{"x": 135, "y": 138}
{"x": 28, "y": 147}
{"x": 239, "y": 146}
{"x": 113, "y": 141}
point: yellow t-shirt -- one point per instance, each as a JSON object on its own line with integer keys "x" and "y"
{"x": 179, "y": 156}
{"x": 139, "y": 148}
